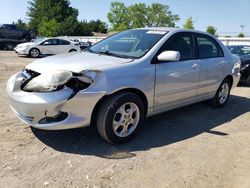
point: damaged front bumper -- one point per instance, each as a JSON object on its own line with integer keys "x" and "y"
{"x": 52, "y": 110}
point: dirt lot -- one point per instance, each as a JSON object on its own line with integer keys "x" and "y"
{"x": 195, "y": 146}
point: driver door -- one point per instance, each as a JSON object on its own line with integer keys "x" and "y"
{"x": 177, "y": 82}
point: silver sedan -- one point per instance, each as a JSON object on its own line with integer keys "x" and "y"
{"x": 123, "y": 79}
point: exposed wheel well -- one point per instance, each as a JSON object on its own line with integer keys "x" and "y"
{"x": 131, "y": 90}
{"x": 73, "y": 50}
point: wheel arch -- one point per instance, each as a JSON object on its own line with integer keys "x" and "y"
{"x": 230, "y": 78}
{"x": 35, "y": 48}
{"x": 131, "y": 90}
{"x": 72, "y": 50}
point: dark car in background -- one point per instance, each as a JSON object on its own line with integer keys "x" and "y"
{"x": 10, "y": 31}
{"x": 10, "y": 36}
{"x": 243, "y": 51}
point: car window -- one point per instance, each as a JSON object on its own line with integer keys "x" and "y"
{"x": 50, "y": 42}
{"x": 182, "y": 43}
{"x": 63, "y": 42}
{"x": 208, "y": 47}
{"x": 240, "y": 50}
{"x": 12, "y": 27}
{"x": 4, "y": 27}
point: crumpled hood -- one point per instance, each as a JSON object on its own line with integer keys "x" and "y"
{"x": 75, "y": 62}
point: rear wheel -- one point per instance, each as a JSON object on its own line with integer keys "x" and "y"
{"x": 120, "y": 117}
{"x": 34, "y": 52}
{"x": 222, "y": 94}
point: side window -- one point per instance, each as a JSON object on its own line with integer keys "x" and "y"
{"x": 182, "y": 43}
{"x": 63, "y": 42}
{"x": 50, "y": 42}
{"x": 208, "y": 47}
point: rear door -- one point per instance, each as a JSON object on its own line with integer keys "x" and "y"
{"x": 212, "y": 64}
{"x": 177, "y": 82}
{"x": 63, "y": 46}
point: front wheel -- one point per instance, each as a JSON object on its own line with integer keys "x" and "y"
{"x": 222, "y": 94}
{"x": 34, "y": 52}
{"x": 120, "y": 117}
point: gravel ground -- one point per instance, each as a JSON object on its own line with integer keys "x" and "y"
{"x": 195, "y": 146}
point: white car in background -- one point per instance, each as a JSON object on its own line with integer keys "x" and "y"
{"x": 47, "y": 46}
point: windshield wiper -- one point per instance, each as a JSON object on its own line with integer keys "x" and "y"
{"x": 114, "y": 54}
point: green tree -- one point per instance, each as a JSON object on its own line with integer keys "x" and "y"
{"x": 211, "y": 30}
{"x": 83, "y": 29}
{"x": 137, "y": 15}
{"x": 140, "y": 15}
{"x": 118, "y": 16}
{"x": 20, "y": 24}
{"x": 53, "y": 11}
{"x": 98, "y": 26}
{"x": 241, "y": 35}
{"x": 49, "y": 28}
{"x": 159, "y": 15}
{"x": 189, "y": 24}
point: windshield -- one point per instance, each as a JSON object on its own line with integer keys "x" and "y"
{"x": 128, "y": 44}
{"x": 240, "y": 50}
{"x": 38, "y": 40}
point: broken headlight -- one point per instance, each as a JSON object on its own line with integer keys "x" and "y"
{"x": 48, "y": 81}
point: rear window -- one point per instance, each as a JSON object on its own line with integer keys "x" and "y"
{"x": 63, "y": 42}
{"x": 208, "y": 47}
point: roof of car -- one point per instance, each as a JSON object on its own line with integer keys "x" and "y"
{"x": 172, "y": 29}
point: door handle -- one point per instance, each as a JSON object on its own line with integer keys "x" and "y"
{"x": 195, "y": 66}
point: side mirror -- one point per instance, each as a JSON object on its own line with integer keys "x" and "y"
{"x": 45, "y": 43}
{"x": 169, "y": 56}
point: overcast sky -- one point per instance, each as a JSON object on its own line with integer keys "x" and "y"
{"x": 226, "y": 15}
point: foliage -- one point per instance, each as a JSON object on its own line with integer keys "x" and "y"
{"x": 189, "y": 24}
{"x": 98, "y": 26}
{"x": 140, "y": 15}
{"x": 211, "y": 30}
{"x": 57, "y": 17}
{"x": 49, "y": 28}
{"x": 118, "y": 16}
{"x": 241, "y": 35}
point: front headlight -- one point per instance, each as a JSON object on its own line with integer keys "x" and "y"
{"x": 48, "y": 81}
{"x": 23, "y": 47}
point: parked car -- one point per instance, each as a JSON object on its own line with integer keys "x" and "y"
{"x": 243, "y": 52}
{"x": 121, "y": 80}
{"x": 47, "y": 46}
{"x": 10, "y": 31}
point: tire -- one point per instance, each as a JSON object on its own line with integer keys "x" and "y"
{"x": 34, "y": 52}
{"x": 120, "y": 117}
{"x": 72, "y": 50}
{"x": 222, "y": 94}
